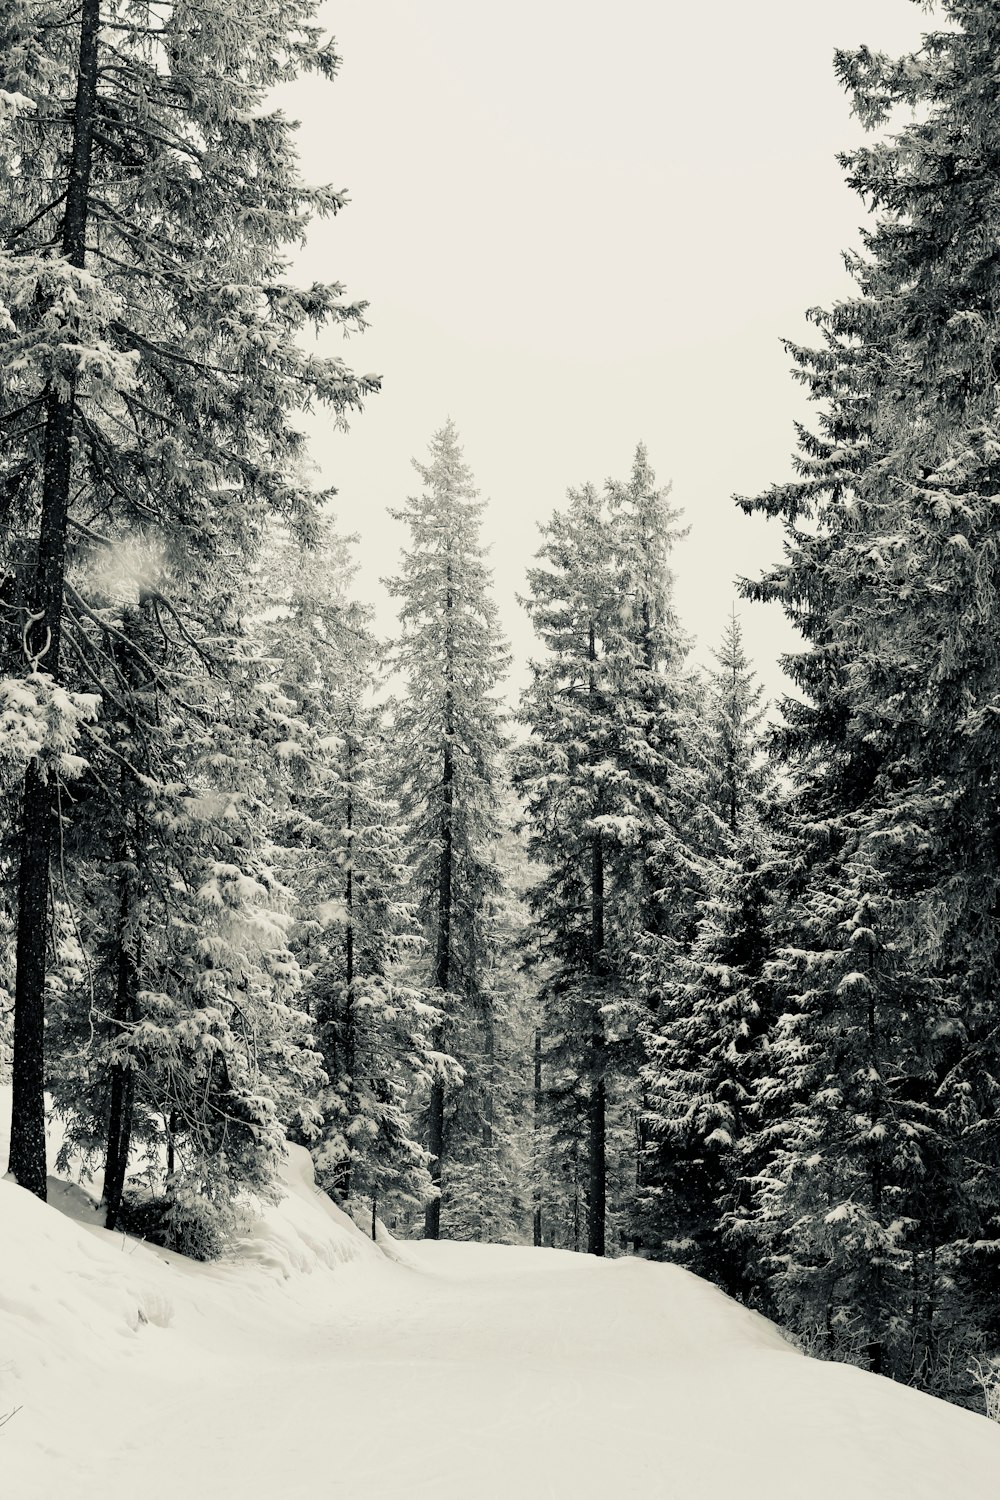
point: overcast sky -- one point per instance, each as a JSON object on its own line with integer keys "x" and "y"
{"x": 578, "y": 226}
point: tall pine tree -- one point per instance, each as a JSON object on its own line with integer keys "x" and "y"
{"x": 606, "y": 788}
{"x": 889, "y": 1152}
{"x": 448, "y": 738}
{"x": 153, "y": 362}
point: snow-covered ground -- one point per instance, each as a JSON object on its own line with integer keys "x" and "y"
{"x": 315, "y": 1365}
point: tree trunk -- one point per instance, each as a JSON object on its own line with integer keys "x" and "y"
{"x": 489, "y": 1061}
{"x": 536, "y": 1217}
{"x": 597, "y": 1176}
{"x": 435, "y": 1145}
{"x": 875, "y": 1346}
{"x": 576, "y": 1197}
{"x": 27, "y": 1132}
{"x": 122, "y": 1078}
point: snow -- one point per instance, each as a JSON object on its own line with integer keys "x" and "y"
{"x": 312, "y": 1363}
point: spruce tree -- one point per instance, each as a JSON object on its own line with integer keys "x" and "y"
{"x": 607, "y": 793}
{"x": 489, "y": 1173}
{"x": 567, "y": 783}
{"x": 891, "y": 549}
{"x": 174, "y": 1032}
{"x": 448, "y": 737}
{"x": 739, "y": 773}
{"x": 153, "y": 364}
{"x": 355, "y": 934}
{"x": 660, "y": 747}
{"x": 706, "y": 1045}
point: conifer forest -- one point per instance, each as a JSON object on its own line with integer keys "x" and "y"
{"x": 607, "y": 951}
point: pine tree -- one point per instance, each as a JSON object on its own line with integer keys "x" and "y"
{"x": 891, "y": 548}
{"x": 661, "y": 749}
{"x": 153, "y": 365}
{"x": 606, "y": 790}
{"x": 567, "y": 783}
{"x": 739, "y": 775}
{"x": 488, "y": 1182}
{"x": 705, "y": 1040}
{"x": 448, "y": 738}
{"x": 355, "y": 934}
{"x": 173, "y": 1026}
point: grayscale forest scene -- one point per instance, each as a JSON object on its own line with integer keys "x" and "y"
{"x": 499, "y": 750}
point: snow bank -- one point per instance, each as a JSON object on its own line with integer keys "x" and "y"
{"x": 305, "y": 1232}
{"x": 71, "y": 1292}
{"x": 98, "y": 1331}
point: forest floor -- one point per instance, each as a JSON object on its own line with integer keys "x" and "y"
{"x": 313, "y": 1364}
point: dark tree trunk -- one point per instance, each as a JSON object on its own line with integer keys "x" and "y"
{"x": 122, "y": 1078}
{"x": 442, "y": 952}
{"x": 27, "y": 1133}
{"x": 435, "y": 1145}
{"x": 489, "y": 1059}
{"x": 875, "y": 1346}
{"x": 536, "y": 1218}
{"x": 597, "y": 1183}
{"x": 576, "y": 1196}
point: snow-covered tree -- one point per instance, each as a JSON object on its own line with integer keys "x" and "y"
{"x": 448, "y": 738}
{"x": 356, "y": 934}
{"x": 739, "y": 773}
{"x": 149, "y": 336}
{"x": 490, "y": 1174}
{"x": 173, "y": 1031}
{"x": 568, "y": 783}
{"x": 660, "y": 737}
{"x": 891, "y": 545}
{"x": 704, "y": 1041}
{"x": 605, "y": 786}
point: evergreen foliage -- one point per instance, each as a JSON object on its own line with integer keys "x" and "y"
{"x": 656, "y": 975}
{"x": 355, "y": 933}
{"x": 885, "y": 1208}
{"x": 606, "y": 794}
{"x": 152, "y": 377}
{"x": 704, "y": 1040}
{"x": 448, "y": 738}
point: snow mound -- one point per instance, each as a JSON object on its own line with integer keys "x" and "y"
{"x": 305, "y": 1231}
{"x": 68, "y": 1285}
{"x": 68, "y": 1293}
{"x": 99, "y": 1332}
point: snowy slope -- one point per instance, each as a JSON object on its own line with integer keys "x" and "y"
{"x": 311, "y": 1365}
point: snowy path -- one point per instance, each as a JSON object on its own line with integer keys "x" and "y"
{"x": 481, "y": 1373}
{"x": 314, "y": 1367}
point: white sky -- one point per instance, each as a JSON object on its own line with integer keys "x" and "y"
{"x": 578, "y": 226}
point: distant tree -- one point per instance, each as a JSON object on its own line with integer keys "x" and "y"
{"x": 355, "y": 935}
{"x": 601, "y": 778}
{"x": 568, "y": 784}
{"x": 661, "y": 749}
{"x": 739, "y": 772}
{"x": 448, "y": 737}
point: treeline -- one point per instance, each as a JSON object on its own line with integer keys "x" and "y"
{"x": 625, "y": 970}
